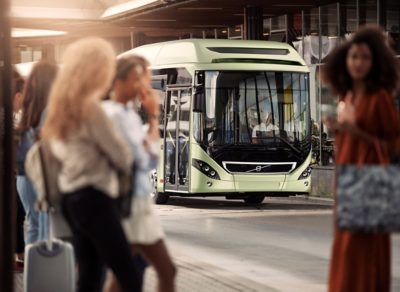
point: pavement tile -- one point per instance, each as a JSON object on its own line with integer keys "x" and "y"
{"x": 193, "y": 277}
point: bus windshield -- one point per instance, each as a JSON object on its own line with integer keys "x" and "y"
{"x": 256, "y": 108}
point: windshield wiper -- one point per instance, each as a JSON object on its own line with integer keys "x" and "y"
{"x": 219, "y": 148}
{"x": 228, "y": 146}
{"x": 290, "y": 145}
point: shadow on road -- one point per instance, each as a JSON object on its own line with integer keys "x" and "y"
{"x": 220, "y": 203}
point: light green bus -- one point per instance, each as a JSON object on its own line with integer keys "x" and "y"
{"x": 236, "y": 119}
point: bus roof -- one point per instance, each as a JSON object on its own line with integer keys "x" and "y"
{"x": 218, "y": 51}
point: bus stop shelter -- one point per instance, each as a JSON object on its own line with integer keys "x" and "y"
{"x": 131, "y": 23}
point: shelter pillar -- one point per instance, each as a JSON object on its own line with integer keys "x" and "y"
{"x": 253, "y": 23}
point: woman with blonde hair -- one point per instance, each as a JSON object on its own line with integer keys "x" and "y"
{"x": 92, "y": 154}
{"x": 132, "y": 84}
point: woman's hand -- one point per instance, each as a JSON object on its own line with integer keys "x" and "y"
{"x": 343, "y": 126}
{"x": 346, "y": 113}
{"x": 346, "y": 118}
{"x": 150, "y": 102}
{"x": 151, "y": 105}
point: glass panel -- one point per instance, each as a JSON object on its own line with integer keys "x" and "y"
{"x": 185, "y": 36}
{"x": 329, "y": 29}
{"x": 393, "y": 22}
{"x": 209, "y": 33}
{"x": 371, "y": 11}
{"x": 311, "y": 21}
{"x": 235, "y": 32}
{"x": 329, "y": 20}
{"x": 278, "y": 23}
{"x": 295, "y": 33}
{"x": 278, "y": 29}
{"x": 197, "y": 126}
{"x": 268, "y": 108}
{"x": 266, "y": 28}
{"x": 28, "y": 54}
{"x": 326, "y": 137}
{"x": 183, "y": 137}
{"x": 222, "y": 33}
{"x": 197, "y": 34}
{"x": 170, "y": 136}
{"x": 158, "y": 83}
{"x": 296, "y": 37}
{"x": 311, "y": 39}
{"x": 351, "y": 16}
{"x": 322, "y": 140}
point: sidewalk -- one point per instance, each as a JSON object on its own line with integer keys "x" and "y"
{"x": 193, "y": 276}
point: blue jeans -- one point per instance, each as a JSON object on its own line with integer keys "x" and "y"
{"x": 37, "y": 221}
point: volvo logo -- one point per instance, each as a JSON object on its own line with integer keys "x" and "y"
{"x": 258, "y": 168}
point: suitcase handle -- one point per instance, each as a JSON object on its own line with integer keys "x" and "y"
{"x": 49, "y": 242}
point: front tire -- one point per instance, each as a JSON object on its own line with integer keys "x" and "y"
{"x": 160, "y": 198}
{"x": 253, "y": 200}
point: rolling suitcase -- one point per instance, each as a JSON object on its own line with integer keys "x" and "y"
{"x": 49, "y": 267}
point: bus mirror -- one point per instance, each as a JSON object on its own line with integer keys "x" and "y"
{"x": 198, "y": 100}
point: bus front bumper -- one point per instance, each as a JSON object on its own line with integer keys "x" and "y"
{"x": 251, "y": 184}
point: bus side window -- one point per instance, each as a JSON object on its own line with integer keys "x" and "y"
{"x": 158, "y": 83}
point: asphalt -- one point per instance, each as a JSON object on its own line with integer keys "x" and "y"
{"x": 284, "y": 244}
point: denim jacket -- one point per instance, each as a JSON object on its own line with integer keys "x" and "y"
{"x": 24, "y": 142}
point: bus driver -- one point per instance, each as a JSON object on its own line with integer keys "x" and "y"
{"x": 264, "y": 129}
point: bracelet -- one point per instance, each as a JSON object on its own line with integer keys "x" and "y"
{"x": 156, "y": 117}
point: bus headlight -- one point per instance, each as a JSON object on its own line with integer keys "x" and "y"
{"x": 205, "y": 168}
{"x": 306, "y": 173}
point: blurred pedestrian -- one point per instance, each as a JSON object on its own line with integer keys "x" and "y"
{"x": 132, "y": 84}
{"x": 364, "y": 73}
{"x": 18, "y": 87}
{"x": 34, "y": 102}
{"x": 92, "y": 154}
{"x": 19, "y": 83}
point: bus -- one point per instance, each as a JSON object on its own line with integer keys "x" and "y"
{"x": 235, "y": 119}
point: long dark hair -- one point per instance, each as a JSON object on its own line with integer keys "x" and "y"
{"x": 36, "y": 93}
{"x": 384, "y": 73}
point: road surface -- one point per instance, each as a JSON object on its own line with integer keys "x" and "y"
{"x": 282, "y": 245}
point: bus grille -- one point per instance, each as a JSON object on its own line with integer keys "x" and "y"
{"x": 259, "y": 168}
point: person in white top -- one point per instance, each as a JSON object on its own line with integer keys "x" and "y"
{"x": 264, "y": 129}
{"x": 92, "y": 154}
{"x": 132, "y": 84}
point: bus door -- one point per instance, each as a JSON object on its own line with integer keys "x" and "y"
{"x": 176, "y": 139}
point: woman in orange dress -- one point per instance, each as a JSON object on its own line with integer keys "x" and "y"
{"x": 364, "y": 73}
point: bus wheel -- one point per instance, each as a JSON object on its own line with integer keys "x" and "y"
{"x": 160, "y": 198}
{"x": 254, "y": 199}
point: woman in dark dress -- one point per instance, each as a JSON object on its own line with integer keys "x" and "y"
{"x": 363, "y": 72}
